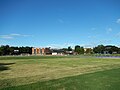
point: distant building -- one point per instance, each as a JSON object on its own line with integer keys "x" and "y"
{"x": 48, "y": 51}
{"x": 38, "y": 51}
{"x": 54, "y": 53}
{"x": 16, "y": 52}
{"x": 69, "y": 52}
{"x": 57, "y": 52}
{"x": 105, "y": 52}
{"x": 41, "y": 51}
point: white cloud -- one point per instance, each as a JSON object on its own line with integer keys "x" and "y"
{"x": 12, "y": 36}
{"x": 6, "y": 37}
{"x": 118, "y": 21}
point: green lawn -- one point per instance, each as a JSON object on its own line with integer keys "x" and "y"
{"x": 102, "y": 80}
{"x": 59, "y": 72}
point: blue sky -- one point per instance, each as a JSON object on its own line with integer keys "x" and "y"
{"x": 59, "y": 23}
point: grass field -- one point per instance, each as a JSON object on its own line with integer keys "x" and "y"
{"x": 59, "y": 73}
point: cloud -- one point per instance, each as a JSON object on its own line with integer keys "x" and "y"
{"x": 12, "y": 36}
{"x": 6, "y": 37}
{"x": 109, "y": 30}
{"x": 118, "y": 21}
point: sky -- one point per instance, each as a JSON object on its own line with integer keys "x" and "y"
{"x": 59, "y": 23}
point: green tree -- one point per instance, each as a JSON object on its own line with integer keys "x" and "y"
{"x": 5, "y": 50}
{"x": 88, "y": 51}
{"x": 112, "y": 49}
{"x": 1, "y": 51}
{"x": 79, "y": 50}
{"x": 69, "y": 48}
{"x": 99, "y": 49}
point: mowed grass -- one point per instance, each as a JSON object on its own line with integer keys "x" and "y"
{"x": 102, "y": 80}
{"x": 60, "y": 72}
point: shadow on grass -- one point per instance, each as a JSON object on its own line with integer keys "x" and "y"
{"x": 3, "y": 66}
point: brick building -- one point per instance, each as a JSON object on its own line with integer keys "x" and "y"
{"x": 41, "y": 51}
{"x": 38, "y": 51}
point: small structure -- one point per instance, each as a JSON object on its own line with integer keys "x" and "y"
{"x": 54, "y": 53}
{"x": 105, "y": 52}
{"x": 69, "y": 52}
{"x": 16, "y": 52}
{"x": 57, "y": 52}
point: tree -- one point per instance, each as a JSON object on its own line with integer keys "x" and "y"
{"x": 5, "y": 50}
{"x": 118, "y": 50}
{"x": 112, "y": 49}
{"x": 88, "y": 51}
{"x": 79, "y": 50}
{"x": 25, "y": 50}
{"x": 1, "y": 52}
{"x": 69, "y": 48}
{"x": 64, "y": 49}
{"x": 99, "y": 49}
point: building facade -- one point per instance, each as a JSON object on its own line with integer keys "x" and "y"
{"x": 41, "y": 51}
{"x": 38, "y": 51}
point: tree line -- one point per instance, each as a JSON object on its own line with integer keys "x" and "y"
{"x": 109, "y": 49}
{"x": 10, "y": 50}
{"x": 100, "y": 49}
